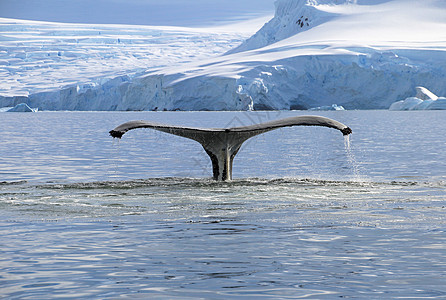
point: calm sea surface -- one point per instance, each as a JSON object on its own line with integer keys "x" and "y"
{"x": 309, "y": 214}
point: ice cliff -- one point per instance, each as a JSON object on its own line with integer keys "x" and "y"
{"x": 313, "y": 53}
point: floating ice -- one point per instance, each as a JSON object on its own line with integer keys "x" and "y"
{"x": 22, "y": 107}
{"x": 424, "y": 94}
{"x": 328, "y": 107}
{"x": 424, "y": 100}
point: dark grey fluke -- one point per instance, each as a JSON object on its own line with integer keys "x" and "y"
{"x": 222, "y": 144}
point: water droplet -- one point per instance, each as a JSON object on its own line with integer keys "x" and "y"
{"x": 353, "y": 164}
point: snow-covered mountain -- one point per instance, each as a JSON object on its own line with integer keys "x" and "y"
{"x": 291, "y": 17}
{"x": 360, "y": 54}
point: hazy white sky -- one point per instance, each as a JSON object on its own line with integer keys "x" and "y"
{"x": 195, "y": 13}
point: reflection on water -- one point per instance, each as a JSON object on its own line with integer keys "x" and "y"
{"x": 308, "y": 217}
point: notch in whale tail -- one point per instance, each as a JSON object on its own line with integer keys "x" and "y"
{"x": 223, "y": 144}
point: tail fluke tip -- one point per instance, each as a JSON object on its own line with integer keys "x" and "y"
{"x": 346, "y": 131}
{"x": 116, "y": 134}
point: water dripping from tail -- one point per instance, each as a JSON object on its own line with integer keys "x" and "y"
{"x": 353, "y": 164}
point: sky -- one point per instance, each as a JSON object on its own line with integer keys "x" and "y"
{"x": 195, "y": 13}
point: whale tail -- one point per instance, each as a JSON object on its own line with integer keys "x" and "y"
{"x": 223, "y": 144}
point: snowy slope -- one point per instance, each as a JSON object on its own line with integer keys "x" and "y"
{"x": 291, "y": 17}
{"x": 38, "y": 56}
{"x": 359, "y": 54}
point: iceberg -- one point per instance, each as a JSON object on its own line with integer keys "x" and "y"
{"x": 424, "y": 100}
{"x": 439, "y": 104}
{"x": 4, "y": 109}
{"x": 424, "y": 94}
{"x": 327, "y": 108}
{"x": 22, "y": 107}
{"x": 407, "y": 104}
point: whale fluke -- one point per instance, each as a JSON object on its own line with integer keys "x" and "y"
{"x": 222, "y": 144}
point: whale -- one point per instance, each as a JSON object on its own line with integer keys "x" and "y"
{"x": 223, "y": 144}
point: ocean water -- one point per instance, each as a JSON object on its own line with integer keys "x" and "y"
{"x": 308, "y": 215}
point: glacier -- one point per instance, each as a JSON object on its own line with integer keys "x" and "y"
{"x": 359, "y": 54}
